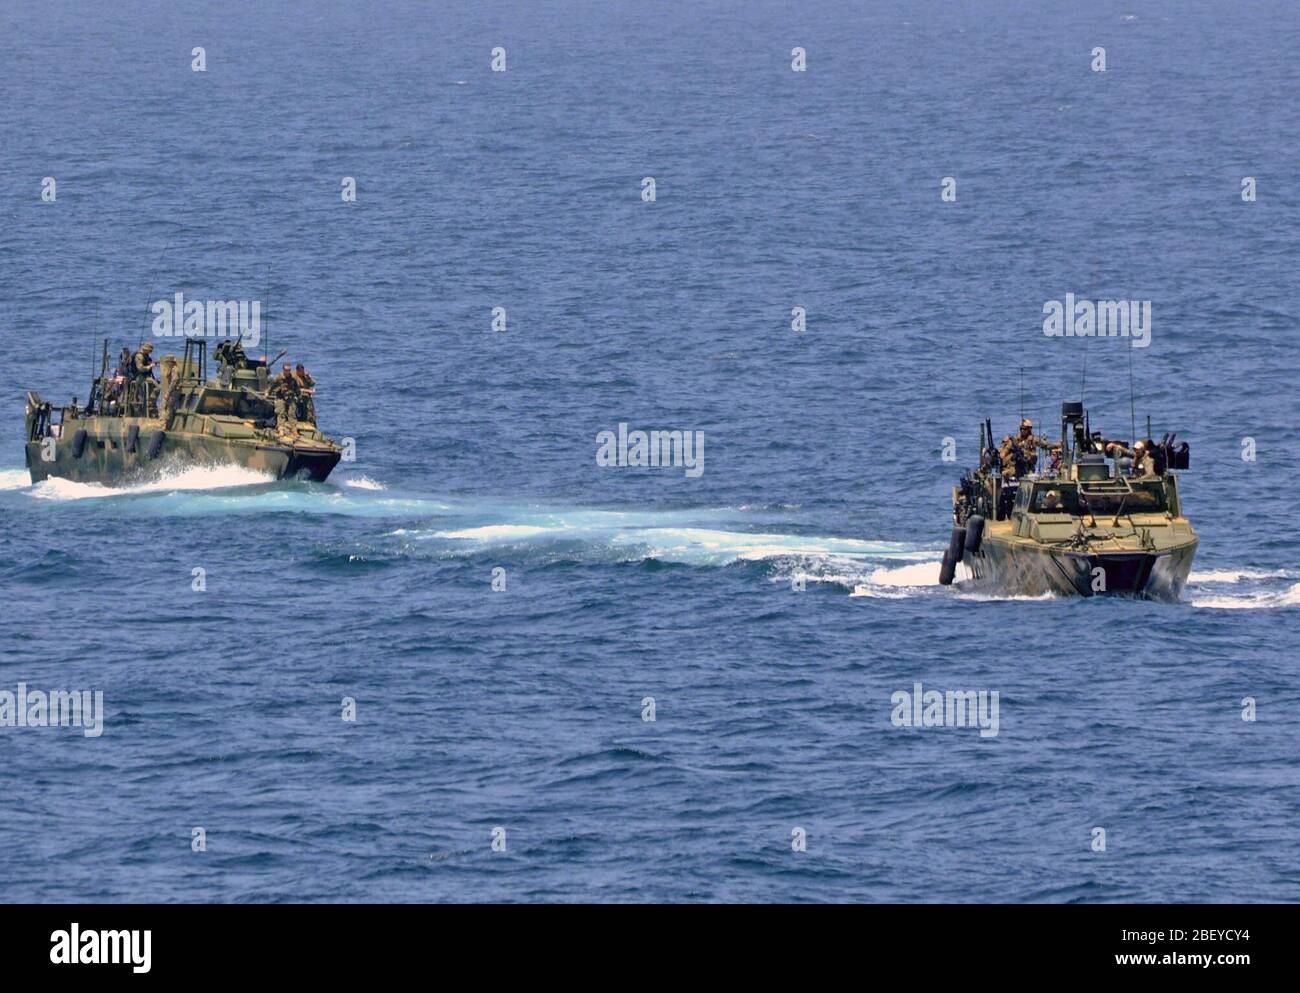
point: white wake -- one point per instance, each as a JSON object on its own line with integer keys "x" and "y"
{"x": 188, "y": 478}
{"x": 14, "y": 479}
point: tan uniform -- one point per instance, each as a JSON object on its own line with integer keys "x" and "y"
{"x": 284, "y": 391}
{"x": 143, "y": 364}
{"x": 1029, "y": 446}
{"x": 1144, "y": 465}
{"x": 142, "y": 369}
{"x": 169, "y": 367}
{"x": 1010, "y": 456}
{"x": 306, "y": 406}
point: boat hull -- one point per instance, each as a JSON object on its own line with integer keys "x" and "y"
{"x": 114, "y": 455}
{"x": 1024, "y": 568}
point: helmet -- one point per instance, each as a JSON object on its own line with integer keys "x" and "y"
{"x": 147, "y": 347}
{"x": 1026, "y": 423}
{"x": 1139, "y": 446}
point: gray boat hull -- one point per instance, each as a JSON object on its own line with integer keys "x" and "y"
{"x": 1024, "y": 569}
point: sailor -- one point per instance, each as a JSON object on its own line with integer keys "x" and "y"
{"x": 1142, "y": 454}
{"x": 1151, "y": 460}
{"x": 123, "y": 369}
{"x": 307, "y": 385}
{"x": 168, "y": 398}
{"x": 1009, "y": 453}
{"x": 1029, "y": 443}
{"x": 142, "y": 365}
{"x": 286, "y": 392}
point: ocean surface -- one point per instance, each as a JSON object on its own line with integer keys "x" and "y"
{"x": 517, "y": 716}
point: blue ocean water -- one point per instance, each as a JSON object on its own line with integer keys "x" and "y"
{"x": 523, "y": 709}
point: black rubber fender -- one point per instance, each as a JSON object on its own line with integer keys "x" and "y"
{"x": 156, "y": 444}
{"x": 974, "y": 533}
{"x": 947, "y": 569}
{"x": 956, "y": 544}
{"x": 133, "y": 438}
{"x": 78, "y": 443}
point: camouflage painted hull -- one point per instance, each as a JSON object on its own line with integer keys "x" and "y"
{"x": 118, "y": 450}
{"x": 1024, "y": 568}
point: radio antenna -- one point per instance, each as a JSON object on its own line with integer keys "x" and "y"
{"x": 266, "y": 333}
{"x": 1022, "y": 393}
{"x": 145, "y": 323}
{"x": 1132, "y": 408}
{"x": 1083, "y": 386}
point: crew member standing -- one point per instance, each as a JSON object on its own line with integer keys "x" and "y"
{"x": 286, "y": 393}
{"x": 1029, "y": 444}
{"x": 142, "y": 365}
{"x": 307, "y": 387}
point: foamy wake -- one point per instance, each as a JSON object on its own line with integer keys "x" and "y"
{"x": 897, "y": 582}
{"x": 1248, "y": 601}
{"x": 922, "y": 579}
{"x": 1220, "y": 589}
{"x": 634, "y": 537}
{"x": 1205, "y": 589}
{"x": 14, "y": 479}
{"x": 188, "y": 478}
{"x": 364, "y": 483}
{"x": 1235, "y": 575}
{"x": 492, "y": 534}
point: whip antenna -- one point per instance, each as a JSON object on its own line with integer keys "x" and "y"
{"x": 145, "y": 322}
{"x": 1083, "y": 386}
{"x": 266, "y": 329}
{"x": 1132, "y": 409}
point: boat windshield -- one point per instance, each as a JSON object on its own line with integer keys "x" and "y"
{"x": 1049, "y": 499}
{"x": 1147, "y": 497}
{"x": 240, "y": 404}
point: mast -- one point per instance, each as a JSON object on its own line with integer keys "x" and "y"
{"x": 266, "y": 331}
{"x": 1132, "y": 408}
{"x": 145, "y": 323}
